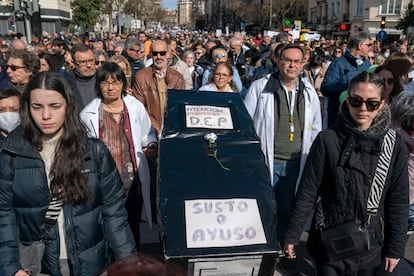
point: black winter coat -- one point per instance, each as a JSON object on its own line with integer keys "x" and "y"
{"x": 339, "y": 170}
{"x": 96, "y": 231}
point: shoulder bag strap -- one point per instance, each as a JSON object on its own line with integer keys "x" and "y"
{"x": 381, "y": 172}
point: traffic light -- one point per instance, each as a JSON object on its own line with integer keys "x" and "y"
{"x": 383, "y": 22}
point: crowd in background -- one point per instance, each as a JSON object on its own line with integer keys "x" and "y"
{"x": 112, "y": 78}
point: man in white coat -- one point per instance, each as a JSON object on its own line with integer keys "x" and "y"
{"x": 286, "y": 114}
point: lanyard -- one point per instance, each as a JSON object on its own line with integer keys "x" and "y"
{"x": 291, "y": 105}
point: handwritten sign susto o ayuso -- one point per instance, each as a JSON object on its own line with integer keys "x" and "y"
{"x": 206, "y": 116}
{"x": 223, "y": 222}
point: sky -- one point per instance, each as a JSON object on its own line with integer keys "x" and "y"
{"x": 170, "y": 4}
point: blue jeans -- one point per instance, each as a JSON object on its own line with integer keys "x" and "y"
{"x": 285, "y": 175}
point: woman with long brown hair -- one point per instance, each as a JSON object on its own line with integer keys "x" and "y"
{"x": 62, "y": 204}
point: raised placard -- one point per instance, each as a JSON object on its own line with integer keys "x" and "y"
{"x": 205, "y": 116}
{"x": 223, "y": 222}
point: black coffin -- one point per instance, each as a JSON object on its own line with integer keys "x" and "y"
{"x": 208, "y": 189}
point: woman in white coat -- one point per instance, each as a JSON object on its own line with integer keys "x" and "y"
{"x": 122, "y": 123}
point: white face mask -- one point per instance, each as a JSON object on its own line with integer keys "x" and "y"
{"x": 9, "y": 121}
{"x": 386, "y": 54}
{"x": 315, "y": 71}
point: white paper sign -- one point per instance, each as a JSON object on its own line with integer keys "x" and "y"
{"x": 219, "y": 267}
{"x": 205, "y": 116}
{"x": 223, "y": 222}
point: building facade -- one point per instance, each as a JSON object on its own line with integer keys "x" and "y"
{"x": 338, "y": 18}
{"x": 53, "y": 15}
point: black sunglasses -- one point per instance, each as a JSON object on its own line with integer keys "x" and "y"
{"x": 97, "y": 62}
{"x": 357, "y": 102}
{"x": 162, "y": 53}
{"x": 136, "y": 51}
{"x": 13, "y": 67}
{"x": 390, "y": 81}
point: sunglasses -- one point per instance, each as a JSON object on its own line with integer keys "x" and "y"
{"x": 136, "y": 51}
{"x": 97, "y": 62}
{"x": 357, "y": 102}
{"x": 371, "y": 58}
{"x": 162, "y": 53}
{"x": 13, "y": 67}
{"x": 198, "y": 53}
{"x": 390, "y": 81}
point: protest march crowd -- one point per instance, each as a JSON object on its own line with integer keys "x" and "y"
{"x": 81, "y": 118}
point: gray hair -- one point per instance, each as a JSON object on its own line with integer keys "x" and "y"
{"x": 119, "y": 43}
{"x": 131, "y": 41}
{"x": 402, "y": 111}
{"x": 356, "y": 39}
{"x": 97, "y": 53}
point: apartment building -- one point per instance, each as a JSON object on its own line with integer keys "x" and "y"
{"x": 55, "y": 15}
{"x": 341, "y": 18}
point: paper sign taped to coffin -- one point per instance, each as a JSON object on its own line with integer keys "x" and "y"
{"x": 205, "y": 116}
{"x": 223, "y": 223}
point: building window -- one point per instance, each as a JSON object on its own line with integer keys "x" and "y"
{"x": 359, "y": 7}
{"x": 337, "y": 8}
{"x": 390, "y": 7}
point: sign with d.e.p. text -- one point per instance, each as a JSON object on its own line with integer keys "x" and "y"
{"x": 206, "y": 116}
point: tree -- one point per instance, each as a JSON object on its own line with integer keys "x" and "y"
{"x": 109, "y": 6}
{"x": 407, "y": 20}
{"x": 145, "y": 9}
{"x": 86, "y": 12}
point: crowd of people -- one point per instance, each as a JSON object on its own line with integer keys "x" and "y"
{"x": 80, "y": 120}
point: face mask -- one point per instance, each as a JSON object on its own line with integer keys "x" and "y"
{"x": 9, "y": 121}
{"x": 386, "y": 54}
{"x": 315, "y": 71}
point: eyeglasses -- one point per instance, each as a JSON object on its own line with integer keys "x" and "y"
{"x": 136, "y": 51}
{"x": 107, "y": 83}
{"x": 368, "y": 44}
{"x": 221, "y": 75}
{"x": 390, "y": 81}
{"x": 13, "y": 67}
{"x": 223, "y": 55}
{"x": 338, "y": 51}
{"x": 84, "y": 62}
{"x": 294, "y": 61}
{"x": 156, "y": 53}
{"x": 370, "y": 104}
{"x": 97, "y": 62}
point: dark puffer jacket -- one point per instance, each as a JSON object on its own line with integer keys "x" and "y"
{"x": 96, "y": 231}
{"x": 339, "y": 170}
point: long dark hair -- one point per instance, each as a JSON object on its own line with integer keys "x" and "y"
{"x": 67, "y": 181}
{"x": 398, "y": 87}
